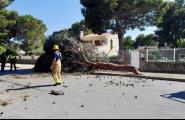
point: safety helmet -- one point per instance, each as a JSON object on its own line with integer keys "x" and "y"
{"x": 55, "y": 47}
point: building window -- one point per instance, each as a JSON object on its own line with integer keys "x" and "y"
{"x": 98, "y": 43}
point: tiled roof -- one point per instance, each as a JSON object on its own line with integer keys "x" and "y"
{"x": 94, "y": 35}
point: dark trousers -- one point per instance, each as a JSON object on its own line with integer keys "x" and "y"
{"x": 2, "y": 66}
{"x": 13, "y": 64}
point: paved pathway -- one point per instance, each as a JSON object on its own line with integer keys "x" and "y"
{"x": 156, "y": 76}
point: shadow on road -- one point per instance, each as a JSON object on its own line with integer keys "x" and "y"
{"x": 29, "y": 87}
{"x": 18, "y": 72}
{"x": 179, "y": 96}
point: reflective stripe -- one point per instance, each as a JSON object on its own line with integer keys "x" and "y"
{"x": 12, "y": 57}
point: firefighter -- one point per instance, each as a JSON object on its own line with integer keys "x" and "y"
{"x": 56, "y": 66}
{"x": 3, "y": 61}
{"x": 13, "y": 59}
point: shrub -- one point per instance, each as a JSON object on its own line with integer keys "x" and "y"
{"x": 112, "y": 58}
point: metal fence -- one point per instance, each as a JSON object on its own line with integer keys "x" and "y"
{"x": 165, "y": 55}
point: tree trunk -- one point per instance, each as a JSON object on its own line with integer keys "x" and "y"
{"x": 27, "y": 49}
{"x": 121, "y": 41}
{"x": 108, "y": 66}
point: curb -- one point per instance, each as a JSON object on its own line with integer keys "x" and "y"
{"x": 141, "y": 76}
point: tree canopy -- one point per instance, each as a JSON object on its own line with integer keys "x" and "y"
{"x": 30, "y": 32}
{"x": 148, "y": 40}
{"x": 26, "y": 30}
{"x": 69, "y": 48}
{"x": 7, "y": 26}
{"x": 77, "y": 27}
{"x": 171, "y": 27}
{"x": 120, "y": 15}
{"x": 5, "y": 3}
{"x": 8, "y": 21}
{"x": 129, "y": 43}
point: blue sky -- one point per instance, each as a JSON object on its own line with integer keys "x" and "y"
{"x": 57, "y": 14}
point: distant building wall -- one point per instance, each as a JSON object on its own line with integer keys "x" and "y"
{"x": 114, "y": 51}
{"x": 109, "y": 43}
{"x": 27, "y": 59}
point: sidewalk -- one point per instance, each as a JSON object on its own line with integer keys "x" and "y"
{"x": 21, "y": 69}
{"x": 147, "y": 75}
{"x": 20, "y": 66}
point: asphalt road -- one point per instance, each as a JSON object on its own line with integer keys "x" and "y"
{"x": 89, "y": 96}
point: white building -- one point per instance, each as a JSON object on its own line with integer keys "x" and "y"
{"x": 106, "y": 43}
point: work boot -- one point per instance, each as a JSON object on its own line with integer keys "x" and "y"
{"x": 56, "y": 84}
